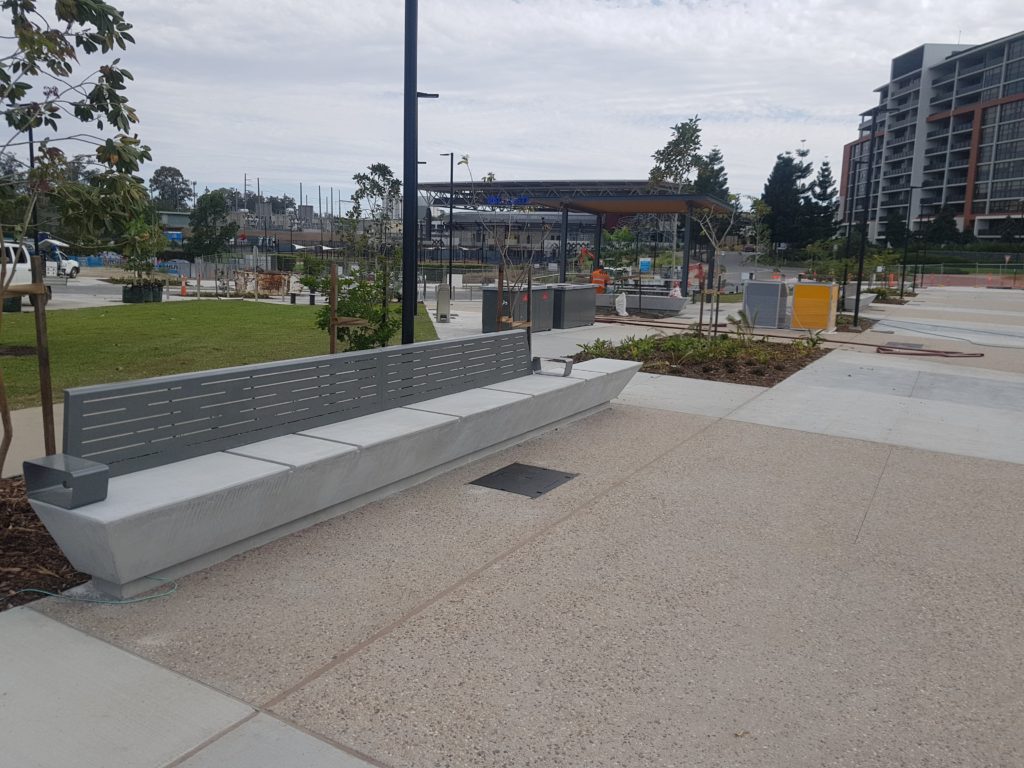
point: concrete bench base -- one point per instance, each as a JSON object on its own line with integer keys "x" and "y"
{"x": 168, "y": 521}
{"x": 655, "y": 303}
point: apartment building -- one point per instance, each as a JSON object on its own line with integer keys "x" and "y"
{"x": 948, "y": 132}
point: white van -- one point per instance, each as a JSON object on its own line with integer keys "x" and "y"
{"x": 16, "y": 258}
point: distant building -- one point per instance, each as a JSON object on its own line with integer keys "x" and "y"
{"x": 949, "y": 133}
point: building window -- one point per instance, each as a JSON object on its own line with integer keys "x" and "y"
{"x": 1015, "y": 71}
{"x": 1011, "y": 131}
{"x": 1011, "y": 170}
{"x": 1015, "y": 50}
{"x": 1014, "y": 111}
{"x": 988, "y": 116}
{"x": 1010, "y": 150}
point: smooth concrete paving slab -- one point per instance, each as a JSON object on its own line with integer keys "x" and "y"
{"x": 676, "y": 393}
{"x": 28, "y": 442}
{"x": 266, "y": 742}
{"x": 67, "y": 699}
{"x": 980, "y": 334}
{"x": 258, "y": 624}
{"x": 905, "y": 401}
{"x": 744, "y": 609}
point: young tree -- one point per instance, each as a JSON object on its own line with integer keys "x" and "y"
{"x": 377, "y": 193}
{"x": 676, "y": 162}
{"x": 169, "y": 188}
{"x": 759, "y": 231}
{"x": 711, "y": 176}
{"x": 942, "y": 230}
{"x": 211, "y": 230}
{"x": 895, "y": 229}
{"x": 41, "y": 88}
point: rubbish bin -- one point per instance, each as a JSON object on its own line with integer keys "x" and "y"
{"x": 574, "y": 305}
{"x": 814, "y": 306}
{"x": 541, "y": 315}
{"x": 764, "y": 303}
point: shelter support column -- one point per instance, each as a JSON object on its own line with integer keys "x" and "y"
{"x": 564, "y": 254}
{"x": 598, "y": 237}
{"x": 687, "y": 233}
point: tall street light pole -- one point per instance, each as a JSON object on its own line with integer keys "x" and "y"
{"x": 906, "y": 240}
{"x": 410, "y": 172}
{"x": 451, "y": 213}
{"x": 864, "y": 214}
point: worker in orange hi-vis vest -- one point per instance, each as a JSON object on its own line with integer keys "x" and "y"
{"x": 600, "y": 278}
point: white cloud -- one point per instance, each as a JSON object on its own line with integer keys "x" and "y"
{"x": 312, "y": 91}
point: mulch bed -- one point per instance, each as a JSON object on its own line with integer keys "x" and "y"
{"x": 785, "y": 360}
{"x": 29, "y": 557}
{"x": 752, "y": 372}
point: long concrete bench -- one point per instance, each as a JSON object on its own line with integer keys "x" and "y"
{"x": 165, "y": 476}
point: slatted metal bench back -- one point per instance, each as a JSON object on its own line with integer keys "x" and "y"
{"x": 140, "y": 424}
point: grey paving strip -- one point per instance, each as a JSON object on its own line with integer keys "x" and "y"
{"x": 913, "y": 402}
{"x": 583, "y": 506}
{"x": 267, "y": 741}
{"x": 68, "y": 699}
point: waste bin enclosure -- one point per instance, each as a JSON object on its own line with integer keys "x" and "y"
{"x": 765, "y": 303}
{"x": 574, "y": 305}
{"x": 814, "y": 306}
{"x": 542, "y": 314}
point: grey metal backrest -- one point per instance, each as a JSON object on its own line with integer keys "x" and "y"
{"x": 140, "y": 424}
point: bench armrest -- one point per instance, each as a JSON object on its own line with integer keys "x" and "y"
{"x": 566, "y": 361}
{"x": 66, "y": 481}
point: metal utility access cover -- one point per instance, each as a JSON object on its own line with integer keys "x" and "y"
{"x": 903, "y": 345}
{"x": 524, "y": 479}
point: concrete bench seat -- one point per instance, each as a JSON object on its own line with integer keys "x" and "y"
{"x": 179, "y": 516}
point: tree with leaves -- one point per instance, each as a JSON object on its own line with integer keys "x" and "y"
{"x": 676, "y": 162}
{"x": 711, "y": 176}
{"x": 942, "y": 230}
{"x": 784, "y": 194}
{"x": 170, "y": 189}
{"x": 377, "y": 193}
{"x": 211, "y": 231}
{"x": 41, "y": 90}
{"x": 823, "y": 205}
{"x": 895, "y": 229}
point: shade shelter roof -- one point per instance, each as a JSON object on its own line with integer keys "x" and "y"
{"x": 593, "y": 196}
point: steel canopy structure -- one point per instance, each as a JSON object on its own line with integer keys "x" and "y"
{"x": 597, "y": 197}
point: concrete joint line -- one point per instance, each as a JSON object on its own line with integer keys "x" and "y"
{"x": 204, "y": 744}
{"x": 874, "y": 493}
{"x": 416, "y": 610}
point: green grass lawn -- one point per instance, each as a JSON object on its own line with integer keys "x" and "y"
{"x": 101, "y": 345}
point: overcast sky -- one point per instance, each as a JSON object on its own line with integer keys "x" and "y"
{"x": 311, "y": 90}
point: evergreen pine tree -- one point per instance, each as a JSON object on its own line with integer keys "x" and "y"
{"x": 824, "y": 200}
{"x": 711, "y": 176}
{"x": 784, "y": 194}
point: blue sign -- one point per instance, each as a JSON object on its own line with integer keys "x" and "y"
{"x": 645, "y": 266}
{"x": 174, "y": 237}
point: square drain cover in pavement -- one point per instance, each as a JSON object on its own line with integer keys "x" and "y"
{"x": 524, "y": 479}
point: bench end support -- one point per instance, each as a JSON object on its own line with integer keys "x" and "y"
{"x": 66, "y": 481}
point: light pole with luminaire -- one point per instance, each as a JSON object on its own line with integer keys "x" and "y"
{"x": 906, "y": 239}
{"x": 451, "y": 212}
{"x": 874, "y": 112}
